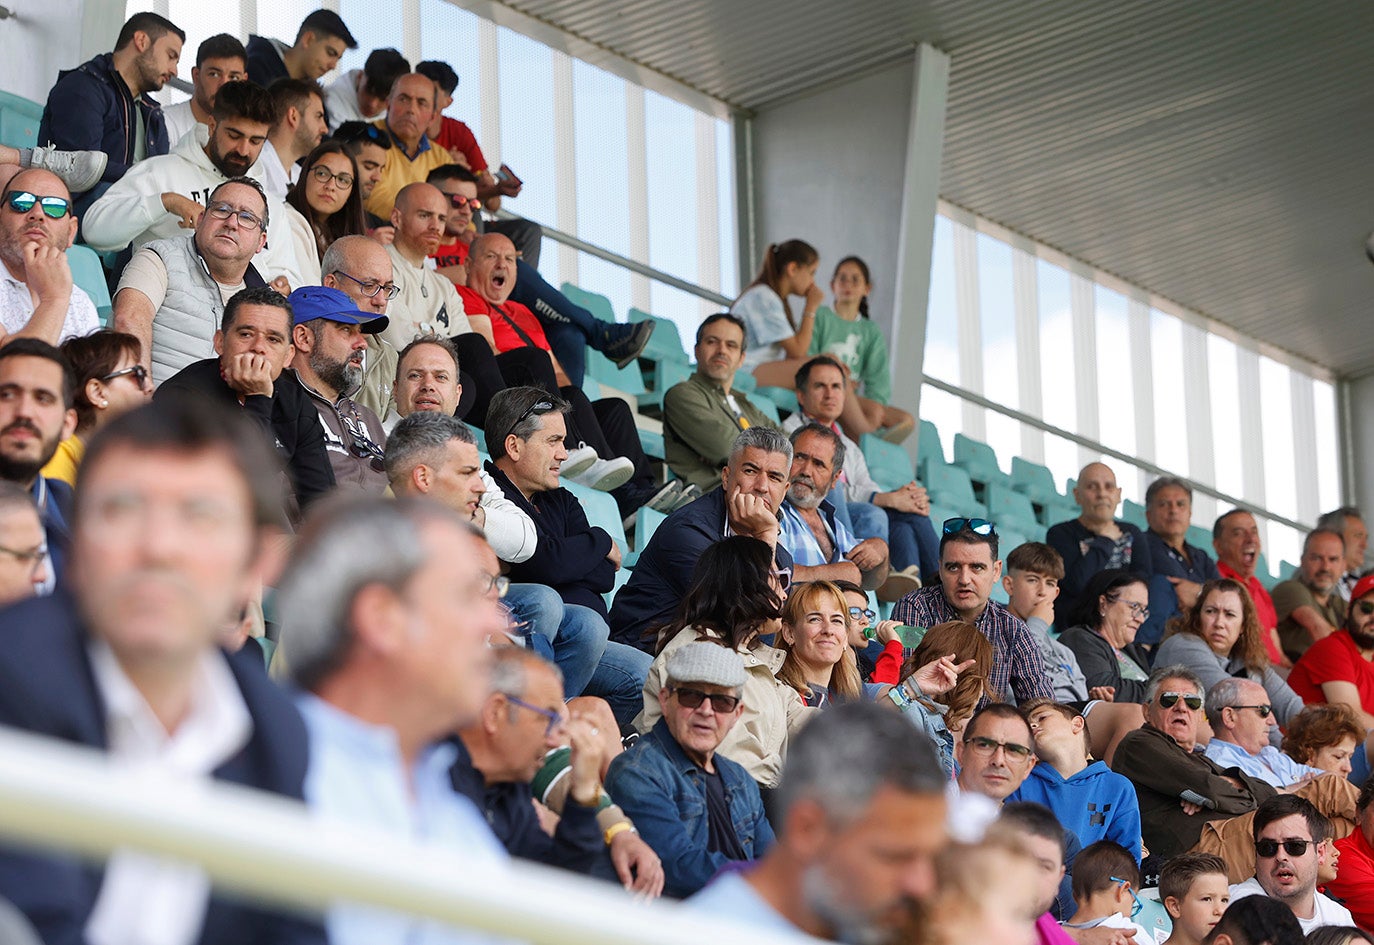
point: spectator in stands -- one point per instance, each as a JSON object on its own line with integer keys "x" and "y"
{"x": 845, "y": 333}
{"x": 986, "y": 890}
{"x": 178, "y": 504}
{"x": 368, "y": 145}
{"x": 1354, "y": 882}
{"x": 1308, "y": 605}
{"x": 1180, "y": 569}
{"x": 1338, "y": 669}
{"x": 900, "y": 517}
{"x": 219, "y": 59}
{"x": 361, "y": 94}
{"x": 329, "y": 337}
{"x": 38, "y": 298}
{"x": 1220, "y": 637}
{"x": 1102, "y": 634}
{"x": 426, "y": 302}
{"x": 942, "y": 683}
{"x": 1242, "y": 721}
{"x": 1348, "y": 521}
{"x": 1256, "y": 920}
{"x": 995, "y": 753}
{"x": 36, "y": 415}
{"x": 874, "y": 641}
{"x": 1194, "y": 890}
{"x": 388, "y": 649}
{"x": 1289, "y": 850}
{"x": 1105, "y": 878}
{"x": 698, "y": 809}
{"x": 861, "y": 818}
{"x": 1325, "y": 737}
{"x": 23, "y": 545}
{"x": 702, "y": 415}
{"x": 819, "y": 662}
{"x": 327, "y": 203}
{"x": 736, "y": 598}
{"x": 1236, "y": 539}
{"x": 252, "y": 348}
{"x": 104, "y": 104}
{"x": 164, "y": 196}
{"x": 1096, "y": 540}
{"x": 753, "y": 485}
{"x": 411, "y": 155}
{"x": 361, "y": 269}
{"x": 778, "y": 343}
{"x": 320, "y": 41}
{"x": 969, "y": 569}
{"x": 574, "y": 557}
{"x": 109, "y": 380}
{"x": 1040, "y": 832}
{"x": 1088, "y": 797}
{"x": 173, "y": 293}
{"x": 300, "y": 127}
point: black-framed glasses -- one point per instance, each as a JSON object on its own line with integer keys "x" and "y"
{"x": 1168, "y": 700}
{"x": 486, "y": 583}
{"x": 721, "y": 703}
{"x": 54, "y": 208}
{"x": 855, "y": 613}
{"x": 979, "y": 526}
{"x": 989, "y": 746}
{"x": 1266, "y": 849}
{"x": 556, "y": 719}
{"x": 138, "y": 372}
{"x": 541, "y": 407}
{"x": 370, "y": 287}
{"x": 1136, "y": 609}
{"x": 324, "y": 175}
{"x": 247, "y": 218}
{"x": 1264, "y": 710}
{"x": 1126, "y": 885}
{"x": 33, "y": 557}
{"x": 458, "y": 201}
{"x": 784, "y": 576}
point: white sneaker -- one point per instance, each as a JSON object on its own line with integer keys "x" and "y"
{"x": 579, "y": 461}
{"x": 79, "y": 170}
{"x": 606, "y": 474}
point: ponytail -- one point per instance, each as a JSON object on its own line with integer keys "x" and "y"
{"x": 776, "y": 259}
{"x": 868, "y": 280}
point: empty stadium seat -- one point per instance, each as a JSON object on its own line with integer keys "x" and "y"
{"x": 666, "y": 373}
{"x": 1034, "y": 480}
{"x": 19, "y": 118}
{"x": 980, "y": 461}
{"x": 1011, "y": 509}
{"x": 665, "y": 342}
{"x": 627, "y": 379}
{"x": 928, "y": 448}
{"x": 89, "y": 274}
{"x": 888, "y": 463}
{"x": 784, "y": 398}
{"x": 951, "y": 488}
{"x": 601, "y": 511}
{"x": 1134, "y": 513}
{"x": 598, "y": 305}
{"x": 1201, "y": 538}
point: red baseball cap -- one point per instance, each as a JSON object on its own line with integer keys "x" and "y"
{"x": 1363, "y": 586}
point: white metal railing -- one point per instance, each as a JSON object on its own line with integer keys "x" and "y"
{"x": 68, "y": 798}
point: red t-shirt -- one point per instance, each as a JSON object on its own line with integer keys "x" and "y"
{"x": 456, "y": 137}
{"x": 1333, "y": 659}
{"x": 1264, "y": 610}
{"x": 1354, "y": 882}
{"x": 451, "y": 254}
{"x": 506, "y": 337}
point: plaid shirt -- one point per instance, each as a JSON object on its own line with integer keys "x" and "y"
{"x": 1016, "y": 658}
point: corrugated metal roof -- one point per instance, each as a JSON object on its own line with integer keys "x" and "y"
{"x": 1216, "y": 153}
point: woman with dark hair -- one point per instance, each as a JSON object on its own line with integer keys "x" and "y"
{"x": 109, "y": 380}
{"x": 327, "y": 197}
{"x": 736, "y": 597}
{"x": 845, "y": 333}
{"x": 777, "y": 342}
{"x": 820, "y": 664}
{"x": 1113, "y": 607}
{"x": 1220, "y": 636}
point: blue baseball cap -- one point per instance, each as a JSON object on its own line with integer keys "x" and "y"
{"x": 310, "y": 302}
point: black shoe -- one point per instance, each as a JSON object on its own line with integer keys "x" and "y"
{"x": 627, "y": 344}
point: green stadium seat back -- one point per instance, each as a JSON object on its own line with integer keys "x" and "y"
{"x": 481, "y": 438}
{"x": 665, "y": 375}
{"x": 1006, "y": 504}
{"x": 627, "y": 379}
{"x": 1286, "y": 570}
{"x": 928, "y": 447}
{"x": 744, "y": 381}
{"x": 1201, "y": 538}
{"x": 598, "y": 305}
{"x": 1035, "y": 480}
{"x": 666, "y": 341}
{"x": 89, "y": 274}
{"x": 1134, "y": 513}
{"x": 767, "y": 408}
{"x": 19, "y": 119}
{"x": 622, "y": 577}
{"x": 888, "y": 463}
{"x": 601, "y": 511}
{"x": 652, "y": 443}
{"x": 785, "y": 398}
{"x": 980, "y": 460}
{"x": 950, "y": 487}
{"x": 647, "y": 521}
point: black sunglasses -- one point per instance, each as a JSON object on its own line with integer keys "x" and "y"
{"x": 1264, "y": 710}
{"x": 979, "y": 526}
{"x": 54, "y": 208}
{"x": 541, "y": 406}
{"x": 693, "y": 698}
{"x": 138, "y": 372}
{"x": 1168, "y": 700}
{"x": 1269, "y": 848}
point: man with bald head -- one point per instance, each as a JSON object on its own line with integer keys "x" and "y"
{"x": 37, "y": 296}
{"x": 427, "y": 302}
{"x": 410, "y": 109}
{"x": 1095, "y": 541}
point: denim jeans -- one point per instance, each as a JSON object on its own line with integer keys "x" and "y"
{"x": 578, "y": 634}
{"x": 910, "y": 537}
{"x": 570, "y": 328}
{"x": 619, "y": 679}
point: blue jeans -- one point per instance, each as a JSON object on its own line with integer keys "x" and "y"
{"x": 577, "y": 634}
{"x": 910, "y": 537}
{"x": 569, "y": 327}
{"x": 619, "y": 679}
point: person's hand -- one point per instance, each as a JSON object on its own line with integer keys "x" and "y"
{"x": 46, "y": 271}
{"x": 886, "y": 631}
{"x": 815, "y": 295}
{"x": 384, "y": 234}
{"x": 509, "y": 188}
{"x": 899, "y": 500}
{"x": 919, "y": 494}
{"x": 586, "y": 749}
{"x": 1186, "y": 591}
{"x": 1103, "y": 693}
{"x": 281, "y": 285}
{"x": 868, "y": 554}
{"x": 638, "y": 866}
{"x": 1044, "y": 609}
{"x": 249, "y": 374}
{"x": 479, "y": 517}
{"x": 940, "y": 676}
{"x": 1189, "y": 807}
{"x": 184, "y": 207}
{"x": 750, "y": 515}
{"x": 614, "y": 554}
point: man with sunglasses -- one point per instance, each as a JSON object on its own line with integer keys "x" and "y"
{"x": 698, "y": 810}
{"x": 1338, "y": 668}
{"x": 1242, "y": 719}
{"x": 1290, "y": 848}
{"x": 38, "y": 298}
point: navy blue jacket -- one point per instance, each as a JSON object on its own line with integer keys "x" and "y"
{"x": 54, "y": 498}
{"x": 47, "y": 688}
{"x": 1085, "y": 555}
{"x": 1198, "y": 568}
{"x": 665, "y": 567}
{"x": 571, "y": 554}
{"x": 91, "y": 109}
{"x": 264, "y": 61}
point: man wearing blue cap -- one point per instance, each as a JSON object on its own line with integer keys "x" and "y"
{"x": 330, "y": 339}
{"x": 253, "y": 345}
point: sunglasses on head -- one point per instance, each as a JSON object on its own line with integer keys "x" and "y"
{"x": 54, "y": 208}
{"x": 693, "y": 698}
{"x": 1270, "y": 848}
{"x": 979, "y": 526}
{"x": 541, "y": 406}
{"x": 1168, "y": 700}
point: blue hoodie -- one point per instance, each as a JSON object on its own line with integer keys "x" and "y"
{"x": 1096, "y": 803}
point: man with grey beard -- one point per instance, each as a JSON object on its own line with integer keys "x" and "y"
{"x": 822, "y": 548}
{"x": 330, "y": 336}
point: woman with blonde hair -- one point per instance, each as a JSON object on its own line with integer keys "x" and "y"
{"x": 820, "y": 663}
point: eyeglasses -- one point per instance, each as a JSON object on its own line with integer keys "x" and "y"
{"x": 555, "y": 718}
{"x": 855, "y": 613}
{"x": 324, "y": 175}
{"x": 989, "y": 746}
{"x": 784, "y": 576}
{"x": 247, "y": 219}
{"x": 721, "y": 703}
{"x": 1126, "y": 885}
{"x": 54, "y": 208}
{"x": 370, "y": 287}
{"x": 33, "y": 557}
{"x": 1136, "y": 609}
{"x": 538, "y": 407}
{"x": 979, "y": 526}
{"x": 486, "y": 583}
{"x": 138, "y": 372}
{"x": 1365, "y": 607}
{"x": 1167, "y": 700}
{"x": 459, "y": 202}
{"x": 1270, "y": 848}
{"x": 1264, "y": 710}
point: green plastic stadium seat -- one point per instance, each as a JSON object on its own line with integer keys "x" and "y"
{"x": 1033, "y": 479}
{"x": 1134, "y": 513}
{"x": 980, "y": 460}
{"x": 601, "y": 511}
{"x": 627, "y": 379}
{"x": 928, "y": 448}
{"x": 19, "y": 118}
{"x": 1202, "y": 538}
{"x": 598, "y": 305}
{"x": 651, "y": 442}
{"x": 745, "y": 382}
{"x": 888, "y": 463}
{"x": 665, "y": 342}
{"x": 665, "y": 375}
{"x": 950, "y": 487}
{"x": 785, "y": 398}
{"x": 89, "y": 274}
{"x": 1013, "y": 509}
{"x": 1286, "y": 570}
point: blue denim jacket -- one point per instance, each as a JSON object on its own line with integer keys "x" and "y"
{"x": 660, "y": 789}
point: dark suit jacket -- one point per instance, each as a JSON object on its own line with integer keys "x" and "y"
{"x": 47, "y": 687}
